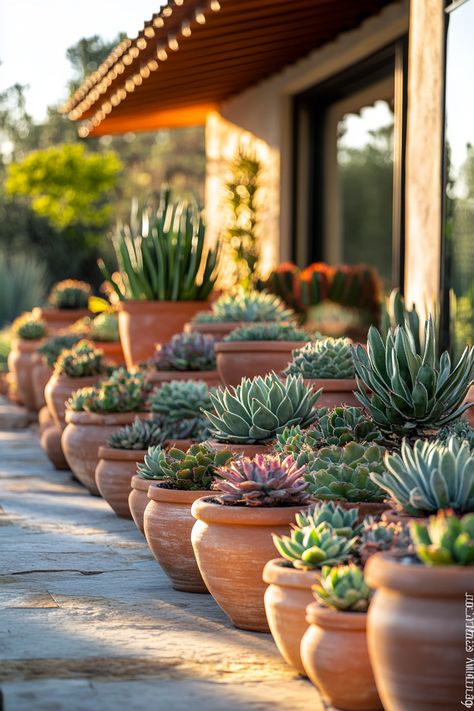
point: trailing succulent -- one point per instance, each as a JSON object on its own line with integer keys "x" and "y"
{"x": 377, "y": 536}
{"x": 265, "y": 480}
{"x": 193, "y": 470}
{"x": 274, "y": 331}
{"x": 343, "y": 588}
{"x": 54, "y": 346}
{"x": 70, "y": 294}
{"x": 343, "y": 521}
{"x": 324, "y": 358}
{"x": 459, "y": 428}
{"x": 445, "y": 539}
{"x": 430, "y": 476}
{"x": 187, "y": 351}
{"x": 29, "y": 327}
{"x": 121, "y": 392}
{"x": 260, "y": 408}
{"x": 180, "y": 400}
{"x": 140, "y": 435}
{"x": 81, "y": 360}
{"x": 411, "y": 394}
{"x": 310, "y": 547}
{"x": 248, "y": 307}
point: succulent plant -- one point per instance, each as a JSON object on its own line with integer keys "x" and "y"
{"x": 459, "y": 428}
{"x": 343, "y": 521}
{"x": 345, "y": 473}
{"x": 445, "y": 539}
{"x": 311, "y": 547}
{"x": 104, "y": 327}
{"x": 187, "y": 351}
{"x": 260, "y": 408}
{"x": 248, "y": 307}
{"x": 81, "y": 360}
{"x": 29, "y": 327}
{"x": 379, "y": 536}
{"x": 140, "y": 435}
{"x": 343, "y": 588}
{"x": 298, "y": 442}
{"x": 180, "y": 400}
{"x": 195, "y": 428}
{"x": 54, "y": 346}
{"x": 70, "y": 294}
{"x": 430, "y": 476}
{"x": 193, "y": 470}
{"x": 121, "y": 392}
{"x": 265, "y": 480}
{"x": 411, "y": 393}
{"x": 79, "y": 399}
{"x": 396, "y": 313}
{"x": 274, "y": 331}
{"x": 324, "y": 358}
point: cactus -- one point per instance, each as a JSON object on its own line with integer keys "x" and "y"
{"x": 104, "y": 327}
{"x": 379, "y": 536}
{"x": 343, "y": 521}
{"x": 70, "y": 294}
{"x": 260, "y": 408}
{"x": 193, "y": 470}
{"x": 248, "y": 307}
{"x": 80, "y": 361}
{"x": 430, "y": 476}
{"x": 54, "y": 346}
{"x": 343, "y": 588}
{"x": 311, "y": 547}
{"x": 187, "y": 351}
{"x": 180, "y": 400}
{"x": 268, "y": 332}
{"x": 325, "y": 358}
{"x": 265, "y": 480}
{"x": 138, "y": 436}
{"x": 29, "y": 327}
{"x": 445, "y": 539}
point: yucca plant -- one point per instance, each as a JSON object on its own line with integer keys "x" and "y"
{"x": 311, "y": 547}
{"x": 411, "y": 394}
{"x": 445, "y": 540}
{"x": 324, "y": 358}
{"x": 187, "y": 351}
{"x": 29, "y": 327}
{"x": 343, "y": 588}
{"x": 250, "y": 307}
{"x": 430, "y": 476}
{"x": 51, "y": 349}
{"x": 140, "y": 435}
{"x": 164, "y": 257}
{"x": 81, "y": 360}
{"x": 343, "y": 521}
{"x": 70, "y": 294}
{"x": 260, "y": 408}
{"x": 268, "y": 332}
{"x": 22, "y": 283}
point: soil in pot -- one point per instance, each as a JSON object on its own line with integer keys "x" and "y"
{"x": 138, "y": 499}
{"x": 247, "y": 359}
{"x": 113, "y": 476}
{"x": 286, "y": 599}
{"x": 335, "y": 657}
{"x": 58, "y": 320}
{"x": 40, "y": 374}
{"x": 50, "y": 440}
{"x": 157, "y": 377}
{"x": 59, "y": 389}
{"x": 232, "y": 544}
{"x": 168, "y": 523}
{"x": 336, "y": 392}
{"x": 246, "y": 450}
{"x": 20, "y": 365}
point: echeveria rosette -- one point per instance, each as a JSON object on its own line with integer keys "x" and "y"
{"x": 187, "y": 351}
{"x": 343, "y": 588}
{"x": 445, "y": 539}
{"x": 325, "y": 358}
{"x": 140, "y": 435}
{"x": 52, "y": 348}
{"x": 181, "y": 400}
{"x": 247, "y": 307}
{"x": 311, "y": 547}
{"x": 343, "y": 521}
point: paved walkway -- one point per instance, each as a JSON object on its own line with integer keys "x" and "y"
{"x": 88, "y": 622}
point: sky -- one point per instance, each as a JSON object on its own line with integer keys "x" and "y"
{"x": 34, "y": 36}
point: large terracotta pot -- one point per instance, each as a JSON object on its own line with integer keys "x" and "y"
{"x": 143, "y": 324}
{"x": 112, "y": 350}
{"x": 232, "y": 544}
{"x": 158, "y": 377}
{"x": 218, "y": 331}
{"x": 59, "y": 389}
{"x": 85, "y": 432}
{"x": 40, "y": 374}
{"x": 247, "y": 359}
{"x": 417, "y": 633}
{"x": 286, "y": 599}
{"x": 246, "y": 450}
{"x": 335, "y": 657}
{"x": 138, "y": 499}
{"x": 20, "y": 365}
{"x": 114, "y": 474}
{"x": 168, "y": 524}
{"x": 336, "y": 392}
{"x": 59, "y": 319}
{"x": 50, "y": 440}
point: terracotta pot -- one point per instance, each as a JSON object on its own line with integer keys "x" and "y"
{"x": 365, "y": 509}
{"x": 59, "y": 389}
{"x": 168, "y": 524}
{"x": 470, "y": 412}
{"x": 40, "y": 374}
{"x": 218, "y": 331}
{"x": 158, "y": 377}
{"x": 246, "y": 359}
{"x": 20, "y": 365}
{"x": 182, "y": 444}
{"x": 336, "y": 392}
{"x": 112, "y": 350}
{"x": 232, "y": 544}
{"x": 113, "y": 476}
{"x": 143, "y": 324}
{"x": 50, "y": 441}
{"x": 138, "y": 499}
{"x": 395, "y": 516}
{"x": 286, "y": 599}
{"x": 417, "y": 633}
{"x": 85, "y": 432}
{"x": 44, "y": 419}
{"x": 335, "y": 657}
{"x": 3, "y": 384}
{"x": 58, "y": 320}
{"x": 246, "y": 450}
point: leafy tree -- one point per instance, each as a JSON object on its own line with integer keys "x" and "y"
{"x": 87, "y": 55}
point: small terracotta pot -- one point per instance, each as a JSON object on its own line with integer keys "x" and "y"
{"x": 40, "y": 374}
{"x": 232, "y": 544}
{"x": 59, "y": 389}
{"x": 143, "y": 324}
{"x": 286, "y": 599}
{"x": 58, "y": 320}
{"x": 335, "y": 657}
{"x": 112, "y": 350}
{"x": 50, "y": 440}
{"x": 246, "y": 450}
{"x": 138, "y": 499}
{"x": 417, "y": 634}
{"x": 113, "y": 476}
{"x": 218, "y": 331}
{"x": 336, "y": 392}
{"x": 85, "y": 432}
{"x": 20, "y": 365}
{"x": 168, "y": 524}
{"x": 158, "y": 377}
{"x": 247, "y": 359}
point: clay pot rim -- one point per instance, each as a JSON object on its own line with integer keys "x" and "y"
{"x": 186, "y": 374}
{"x": 385, "y": 570}
{"x": 175, "y": 496}
{"x": 326, "y": 618}
{"x": 258, "y": 346}
{"x": 333, "y": 385}
{"x": 68, "y": 379}
{"x": 276, "y": 572}
{"x": 204, "y": 509}
{"x": 27, "y": 345}
{"x": 141, "y": 484}
{"x": 111, "y": 418}
{"x": 147, "y": 305}
{"x": 55, "y": 314}
{"x": 121, "y": 455}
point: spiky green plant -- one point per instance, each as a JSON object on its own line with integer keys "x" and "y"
{"x": 429, "y": 476}
{"x": 311, "y": 547}
{"x": 343, "y": 521}
{"x": 70, "y": 294}
{"x": 343, "y": 588}
{"x": 140, "y": 435}
{"x": 121, "y": 392}
{"x": 81, "y": 360}
{"x": 248, "y": 307}
{"x": 325, "y": 358}
{"x": 411, "y": 393}
{"x": 180, "y": 400}
{"x": 268, "y": 332}
{"x": 104, "y": 327}
{"x": 396, "y": 313}
{"x": 445, "y": 539}
{"x": 193, "y": 470}
{"x": 260, "y": 408}
{"x": 377, "y": 536}
{"x": 29, "y": 327}
{"x": 80, "y": 399}
{"x": 51, "y": 349}
{"x": 459, "y": 428}
{"x": 187, "y": 351}
{"x": 265, "y": 480}
{"x": 22, "y": 282}
{"x": 163, "y": 258}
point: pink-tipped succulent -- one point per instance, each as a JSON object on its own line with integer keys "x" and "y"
{"x": 265, "y": 480}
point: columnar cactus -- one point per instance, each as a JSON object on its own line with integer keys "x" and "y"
{"x": 70, "y": 294}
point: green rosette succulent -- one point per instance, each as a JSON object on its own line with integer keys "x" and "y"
{"x": 329, "y": 358}
{"x": 193, "y": 470}
{"x": 140, "y": 435}
{"x": 248, "y": 307}
{"x": 343, "y": 521}
{"x": 81, "y": 399}
{"x": 459, "y": 428}
{"x": 187, "y": 351}
{"x": 29, "y": 327}
{"x": 121, "y": 392}
{"x": 70, "y": 294}
{"x": 80, "y": 361}
{"x": 180, "y": 400}
{"x": 377, "y": 536}
{"x": 445, "y": 539}
{"x": 268, "y": 332}
{"x": 311, "y": 547}
{"x": 54, "y": 346}
{"x": 343, "y": 588}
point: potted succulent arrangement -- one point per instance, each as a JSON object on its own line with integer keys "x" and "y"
{"x": 180, "y": 406}
{"x": 183, "y": 478}
{"x": 67, "y": 303}
{"x": 103, "y": 331}
{"x": 165, "y": 276}
{"x": 257, "y": 349}
{"x": 29, "y": 332}
{"x": 417, "y": 621}
{"x": 187, "y": 356}
{"x": 118, "y": 460}
{"x": 231, "y": 311}
{"x": 44, "y": 360}
{"x": 232, "y": 536}
{"x": 93, "y": 414}
{"x": 327, "y": 363}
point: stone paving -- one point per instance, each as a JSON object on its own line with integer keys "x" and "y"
{"x": 89, "y": 622}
